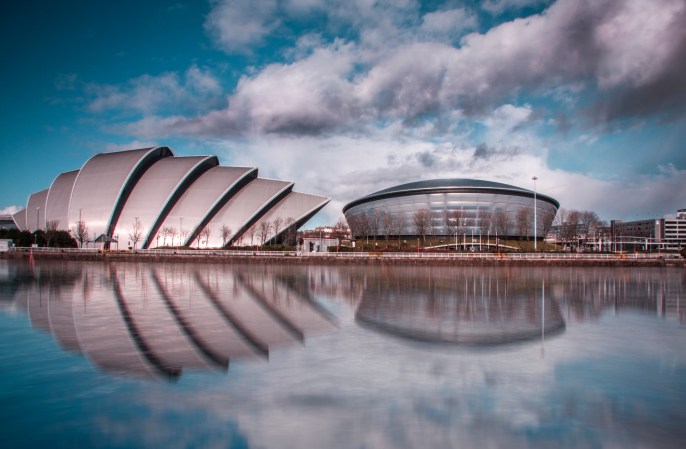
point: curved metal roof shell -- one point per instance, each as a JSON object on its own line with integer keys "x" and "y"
{"x": 297, "y": 206}
{"x": 449, "y": 185}
{"x": 113, "y": 190}
{"x": 59, "y": 196}
{"x": 202, "y": 199}
{"x": 20, "y": 220}
{"x": 103, "y": 185}
{"x": 35, "y": 210}
{"x": 155, "y": 192}
{"x": 244, "y": 208}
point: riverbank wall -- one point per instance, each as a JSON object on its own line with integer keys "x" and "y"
{"x": 425, "y": 259}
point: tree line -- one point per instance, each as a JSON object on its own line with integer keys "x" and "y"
{"x": 449, "y": 223}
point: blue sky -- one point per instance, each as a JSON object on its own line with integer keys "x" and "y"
{"x": 346, "y": 98}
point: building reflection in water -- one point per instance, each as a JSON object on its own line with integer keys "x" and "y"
{"x": 159, "y": 320}
{"x": 467, "y": 308}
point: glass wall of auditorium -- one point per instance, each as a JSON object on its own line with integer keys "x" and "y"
{"x": 474, "y": 207}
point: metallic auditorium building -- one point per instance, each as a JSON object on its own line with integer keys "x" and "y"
{"x": 156, "y": 193}
{"x": 479, "y": 206}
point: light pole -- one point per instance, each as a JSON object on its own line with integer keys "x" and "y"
{"x": 35, "y": 235}
{"x": 535, "y": 218}
{"x": 180, "y": 230}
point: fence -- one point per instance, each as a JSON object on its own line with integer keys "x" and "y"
{"x": 361, "y": 255}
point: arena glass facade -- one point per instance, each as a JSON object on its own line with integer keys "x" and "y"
{"x": 453, "y": 206}
{"x": 157, "y": 197}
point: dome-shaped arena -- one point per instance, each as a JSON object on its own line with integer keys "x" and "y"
{"x": 452, "y": 207}
{"x": 149, "y": 197}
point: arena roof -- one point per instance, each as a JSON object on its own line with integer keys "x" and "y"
{"x": 448, "y": 185}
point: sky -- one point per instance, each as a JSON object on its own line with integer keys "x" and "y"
{"x": 349, "y": 97}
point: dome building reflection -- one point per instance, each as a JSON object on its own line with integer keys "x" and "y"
{"x": 471, "y": 310}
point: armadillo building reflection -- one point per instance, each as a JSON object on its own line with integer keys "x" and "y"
{"x": 158, "y": 321}
{"x": 472, "y": 309}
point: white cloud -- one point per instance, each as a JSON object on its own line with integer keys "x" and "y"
{"x": 147, "y": 94}
{"x": 346, "y": 118}
{"x": 11, "y": 210}
{"x": 449, "y": 23}
{"x": 239, "y": 25}
{"x": 344, "y": 86}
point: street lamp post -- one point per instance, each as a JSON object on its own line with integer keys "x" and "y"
{"x": 181, "y": 232}
{"x": 35, "y": 235}
{"x": 535, "y": 218}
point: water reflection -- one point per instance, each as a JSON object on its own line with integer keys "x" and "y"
{"x": 159, "y": 320}
{"x": 471, "y": 309}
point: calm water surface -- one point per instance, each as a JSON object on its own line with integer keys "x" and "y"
{"x": 248, "y": 356}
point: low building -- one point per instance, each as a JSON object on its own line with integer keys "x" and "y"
{"x": 7, "y": 222}
{"x": 5, "y": 245}
{"x": 318, "y": 245}
{"x": 668, "y": 232}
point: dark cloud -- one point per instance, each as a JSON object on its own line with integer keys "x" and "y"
{"x": 664, "y": 96}
{"x": 426, "y": 158}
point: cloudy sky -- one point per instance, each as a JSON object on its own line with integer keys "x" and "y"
{"x": 346, "y": 98}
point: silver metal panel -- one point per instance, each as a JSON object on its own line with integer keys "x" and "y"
{"x": 472, "y": 205}
{"x": 243, "y": 207}
{"x": 20, "y": 220}
{"x": 57, "y": 205}
{"x": 294, "y": 206}
{"x": 99, "y": 186}
{"x": 200, "y": 198}
{"x": 35, "y": 210}
{"x": 151, "y": 194}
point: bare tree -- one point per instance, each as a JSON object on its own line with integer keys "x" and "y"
{"x": 523, "y": 223}
{"x": 81, "y": 232}
{"x": 277, "y": 226}
{"x": 165, "y": 234}
{"x": 458, "y": 223}
{"x": 364, "y": 223}
{"x": 387, "y": 226}
{"x": 448, "y": 223}
{"x": 136, "y": 232}
{"x": 484, "y": 218}
{"x": 548, "y": 216}
{"x": 375, "y": 224}
{"x": 290, "y": 231}
{"x": 183, "y": 233}
{"x": 589, "y": 222}
{"x": 251, "y": 232}
{"x": 501, "y": 223}
{"x": 340, "y": 229}
{"x": 569, "y": 229}
{"x": 225, "y": 233}
{"x": 50, "y": 231}
{"x": 172, "y": 234}
{"x": 264, "y": 229}
{"x": 422, "y": 222}
{"x": 205, "y": 235}
{"x": 399, "y": 224}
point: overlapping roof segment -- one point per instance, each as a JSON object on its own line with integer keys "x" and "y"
{"x": 201, "y": 200}
{"x": 150, "y": 186}
{"x": 104, "y": 184}
{"x": 156, "y": 191}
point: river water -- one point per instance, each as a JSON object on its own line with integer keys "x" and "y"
{"x": 274, "y": 356}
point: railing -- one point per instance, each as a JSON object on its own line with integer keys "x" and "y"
{"x": 361, "y": 255}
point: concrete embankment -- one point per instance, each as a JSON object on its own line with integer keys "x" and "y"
{"x": 420, "y": 259}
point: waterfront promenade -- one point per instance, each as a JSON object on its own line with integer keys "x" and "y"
{"x": 396, "y": 258}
